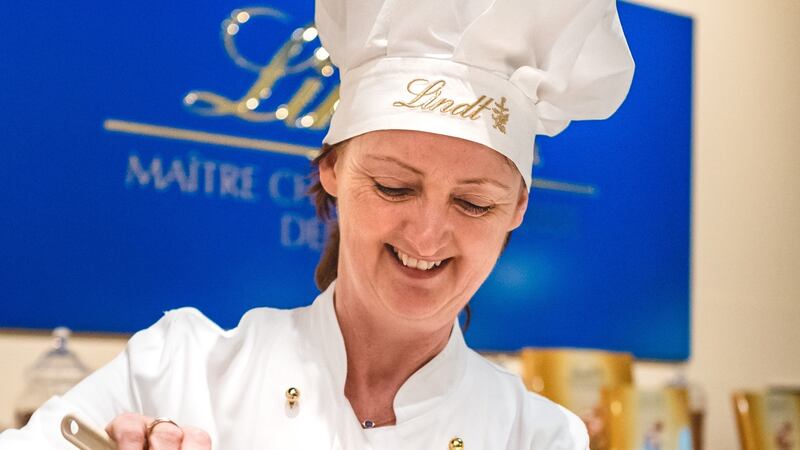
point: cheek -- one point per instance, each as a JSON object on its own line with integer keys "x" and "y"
{"x": 486, "y": 229}
{"x": 480, "y": 241}
{"x": 365, "y": 217}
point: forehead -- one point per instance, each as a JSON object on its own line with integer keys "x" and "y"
{"x": 433, "y": 154}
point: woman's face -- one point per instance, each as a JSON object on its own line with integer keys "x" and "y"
{"x": 423, "y": 218}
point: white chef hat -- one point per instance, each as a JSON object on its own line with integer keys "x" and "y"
{"x": 496, "y": 72}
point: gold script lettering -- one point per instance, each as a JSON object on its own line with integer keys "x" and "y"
{"x": 427, "y": 96}
{"x": 324, "y": 111}
{"x": 252, "y": 106}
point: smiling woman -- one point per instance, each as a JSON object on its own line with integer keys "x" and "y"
{"x": 426, "y": 169}
{"x": 420, "y": 214}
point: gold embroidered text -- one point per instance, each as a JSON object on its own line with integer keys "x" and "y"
{"x": 427, "y": 96}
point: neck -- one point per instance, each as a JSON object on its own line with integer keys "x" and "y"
{"x": 381, "y": 354}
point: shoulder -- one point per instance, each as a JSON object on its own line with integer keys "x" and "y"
{"x": 555, "y": 426}
{"x": 186, "y": 334}
{"x": 537, "y": 422}
{"x": 192, "y": 322}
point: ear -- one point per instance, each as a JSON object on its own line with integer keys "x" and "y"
{"x": 327, "y": 172}
{"x": 522, "y": 206}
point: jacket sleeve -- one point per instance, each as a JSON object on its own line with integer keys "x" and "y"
{"x": 569, "y": 434}
{"x": 576, "y": 430}
{"x": 554, "y": 427}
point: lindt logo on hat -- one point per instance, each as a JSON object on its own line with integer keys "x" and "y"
{"x": 427, "y": 96}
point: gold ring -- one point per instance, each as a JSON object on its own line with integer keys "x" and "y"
{"x": 154, "y": 424}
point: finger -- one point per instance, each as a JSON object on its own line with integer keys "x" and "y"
{"x": 128, "y": 431}
{"x": 165, "y": 436}
{"x": 195, "y": 439}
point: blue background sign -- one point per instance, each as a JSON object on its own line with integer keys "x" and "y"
{"x": 155, "y": 155}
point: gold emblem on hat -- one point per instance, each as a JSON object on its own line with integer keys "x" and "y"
{"x": 456, "y": 444}
{"x": 500, "y": 115}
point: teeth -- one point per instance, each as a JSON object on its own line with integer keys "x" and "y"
{"x": 415, "y": 263}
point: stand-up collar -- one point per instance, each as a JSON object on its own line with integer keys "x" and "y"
{"x": 421, "y": 393}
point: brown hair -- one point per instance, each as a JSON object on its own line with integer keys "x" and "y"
{"x": 325, "y": 204}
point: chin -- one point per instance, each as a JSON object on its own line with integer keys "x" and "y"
{"x": 418, "y": 304}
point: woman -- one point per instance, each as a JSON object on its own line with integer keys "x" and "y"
{"x": 428, "y": 167}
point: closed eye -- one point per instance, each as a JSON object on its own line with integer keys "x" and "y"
{"x": 394, "y": 193}
{"x": 473, "y": 209}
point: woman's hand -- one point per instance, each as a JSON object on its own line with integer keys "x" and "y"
{"x": 130, "y": 432}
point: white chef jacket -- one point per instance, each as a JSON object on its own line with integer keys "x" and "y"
{"x": 233, "y": 385}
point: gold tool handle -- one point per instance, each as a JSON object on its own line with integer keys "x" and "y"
{"x": 84, "y": 436}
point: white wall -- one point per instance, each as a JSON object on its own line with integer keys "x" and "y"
{"x": 746, "y": 213}
{"x": 746, "y": 224}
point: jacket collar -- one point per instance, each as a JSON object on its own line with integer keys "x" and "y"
{"x": 421, "y": 393}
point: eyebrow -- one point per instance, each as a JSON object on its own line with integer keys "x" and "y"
{"x": 413, "y": 169}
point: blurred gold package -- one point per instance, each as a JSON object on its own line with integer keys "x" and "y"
{"x": 639, "y": 419}
{"x": 768, "y": 421}
{"x": 575, "y": 379}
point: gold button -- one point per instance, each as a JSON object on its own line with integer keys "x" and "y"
{"x": 456, "y": 443}
{"x": 292, "y": 396}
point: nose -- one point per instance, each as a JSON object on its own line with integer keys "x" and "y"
{"x": 427, "y": 228}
